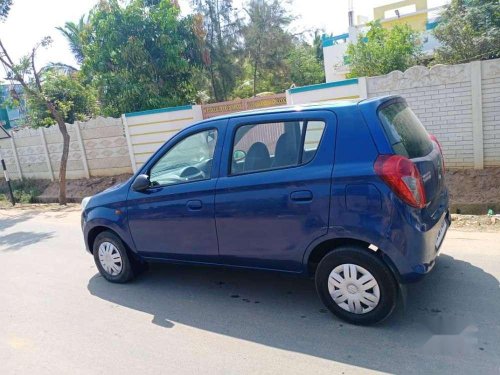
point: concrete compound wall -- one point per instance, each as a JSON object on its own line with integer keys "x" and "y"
{"x": 146, "y": 131}
{"x": 98, "y": 147}
{"x": 354, "y": 88}
{"x": 459, "y": 104}
{"x": 442, "y": 99}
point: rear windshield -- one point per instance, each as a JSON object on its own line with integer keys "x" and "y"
{"x": 406, "y": 133}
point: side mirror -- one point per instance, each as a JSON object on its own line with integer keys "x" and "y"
{"x": 239, "y": 155}
{"x": 141, "y": 183}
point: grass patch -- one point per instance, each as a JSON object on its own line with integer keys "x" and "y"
{"x": 25, "y": 191}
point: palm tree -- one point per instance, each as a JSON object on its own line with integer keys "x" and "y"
{"x": 73, "y": 33}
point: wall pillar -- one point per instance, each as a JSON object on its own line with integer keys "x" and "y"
{"x": 16, "y": 157}
{"x": 82, "y": 149}
{"x": 477, "y": 114}
{"x": 289, "y": 99}
{"x": 46, "y": 150}
{"x": 197, "y": 113}
{"x": 363, "y": 88}
{"x": 129, "y": 144}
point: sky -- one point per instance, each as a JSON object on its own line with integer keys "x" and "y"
{"x": 30, "y": 20}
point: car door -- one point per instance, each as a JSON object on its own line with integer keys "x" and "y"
{"x": 174, "y": 217}
{"x": 273, "y": 194}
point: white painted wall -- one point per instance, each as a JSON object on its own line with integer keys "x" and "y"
{"x": 147, "y": 131}
{"x": 345, "y": 89}
{"x": 333, "y": 62}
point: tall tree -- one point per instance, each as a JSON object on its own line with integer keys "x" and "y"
{"x": 74, "y": 35}
{"x": 318, "y": 44}
{"x": 140, "y": 56}
{"x": 220, "y": 39}
{"x": 469, "y": 30}
{"x": 267, "y": 42}
{"x": 382, "y": 50}
{"x": 29, "y": 77}
{"x": 305, "y": 68}
{"x": 74, "y": 100}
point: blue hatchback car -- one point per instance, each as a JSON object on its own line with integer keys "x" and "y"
{"x": 351, "y": 193}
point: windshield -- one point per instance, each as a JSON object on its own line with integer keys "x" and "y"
{"x": 406, "y": 133}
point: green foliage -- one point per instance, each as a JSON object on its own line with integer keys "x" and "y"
{"x": 382, "y": 50}
{"x": 24, "y": 191}
{"x": 318, "y": 45}
{"x": 71, "y": 97}
{"x": 469, "y": 30}
{"x": 74, "y": 35}
{"x": 267, "y": 44}
{"x": 219, "y": 39}
{"x": 139, "y": 56}
{"x": 305, "y": 68}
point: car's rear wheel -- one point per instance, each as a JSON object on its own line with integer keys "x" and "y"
{"x": 111, "y": 258}
{"x": 356, "y": 285}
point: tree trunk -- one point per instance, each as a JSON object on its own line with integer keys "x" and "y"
{"x": 255, "y": 78}
{"x": 64, "y": 157}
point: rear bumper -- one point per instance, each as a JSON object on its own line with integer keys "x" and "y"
{"x": 419, "y": 255}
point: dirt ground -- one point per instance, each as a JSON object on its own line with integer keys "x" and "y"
{"x": 78, "y": 189}
{"x": 475, "y": 223}
{"x": 474, "y": 186}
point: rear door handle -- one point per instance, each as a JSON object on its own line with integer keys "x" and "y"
{"x": 301, "y": 196}
{"x": 194, "y": 205}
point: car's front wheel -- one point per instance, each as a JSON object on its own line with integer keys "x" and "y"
{"x": 111, "y": 258}
{"x": 356, "y": 285}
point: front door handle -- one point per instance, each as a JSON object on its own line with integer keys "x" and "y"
{"x": 301, "y": 196}
{"x": 194, "y": 205}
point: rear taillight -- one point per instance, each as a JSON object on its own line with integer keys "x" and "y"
{"x": 403, "y": 177}
{"x": 435, "y": 140}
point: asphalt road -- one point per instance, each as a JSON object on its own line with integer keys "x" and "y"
{"x": 58, "y": 316}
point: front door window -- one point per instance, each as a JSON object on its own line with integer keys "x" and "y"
{"x": 189, "y": 160}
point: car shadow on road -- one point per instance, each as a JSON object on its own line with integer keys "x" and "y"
{"x": 448, "y": 324}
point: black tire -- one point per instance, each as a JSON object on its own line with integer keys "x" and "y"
{"x": 127, "y": 272}
{"x": 387, "y": 284}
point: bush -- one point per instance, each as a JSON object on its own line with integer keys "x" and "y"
{"x": 24, "y": 191}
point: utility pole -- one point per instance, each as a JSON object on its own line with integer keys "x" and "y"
{"x": 4, "y": 135}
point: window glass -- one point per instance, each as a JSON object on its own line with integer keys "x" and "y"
{"x": 314, "y": 132}
{"x": 260, "y": 147}
{"x": 188, "y": 160}
{"x": 406, "y": 133}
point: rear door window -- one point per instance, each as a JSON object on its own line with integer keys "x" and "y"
{"x": 406, "y": 133}
{"x": 265, "y": 146}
